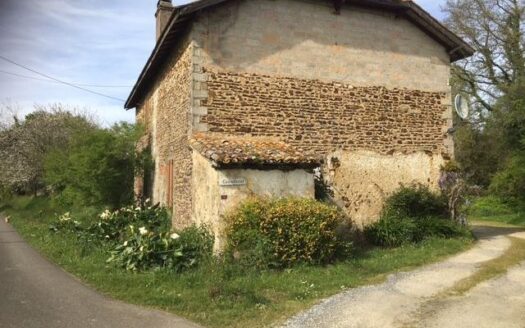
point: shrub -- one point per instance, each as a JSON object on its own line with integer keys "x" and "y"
{"x": 411, "y": 215}
{"x": 391, "y": 232}
{"x": 146, "y": 249}
{"x": 394, "y": 232}
{"x": 95, "y": 168}
{"x": 283, "y": 232}
{"x": 490, "y": 206}
{"x": 415, "y": 201}
{"x": 112, "y": 226}
{"x": 432, "y": 227}
{"x": 65, "y": 223}
{"x": 509, "y": 183}
{"x": 141, "y": 239}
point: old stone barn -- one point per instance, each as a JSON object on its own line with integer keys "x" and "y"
{"x": 247, "y": 97}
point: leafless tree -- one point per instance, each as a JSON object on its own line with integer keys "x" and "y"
{"x": 495, "y": 28}
{"x": 25, "y": 144}
{"x": 9, "y": 112}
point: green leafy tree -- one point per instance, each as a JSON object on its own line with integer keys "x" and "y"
{"x": 489, "y": 145}
{"x": 96, "y": 168}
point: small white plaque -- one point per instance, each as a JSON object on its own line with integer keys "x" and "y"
{"x": 233, "y": 182}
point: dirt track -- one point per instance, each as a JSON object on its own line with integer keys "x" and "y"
{"x": 416, "y": 299}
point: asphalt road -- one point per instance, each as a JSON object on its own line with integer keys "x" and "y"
{"x": 36, "y": 293}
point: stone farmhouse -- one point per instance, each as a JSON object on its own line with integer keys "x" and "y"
{"x": 249, "y": 97}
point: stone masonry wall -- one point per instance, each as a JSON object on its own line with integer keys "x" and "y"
{"x": 380, "y": 54}
{"x": 304, "y": 39}
{"x": 326, "y": 116}
{"x": 166, "y": 112}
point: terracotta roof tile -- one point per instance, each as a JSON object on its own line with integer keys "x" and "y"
{"x": 247, "y": 151}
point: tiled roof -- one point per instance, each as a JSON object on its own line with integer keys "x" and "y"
{"x": 246, "y": 151}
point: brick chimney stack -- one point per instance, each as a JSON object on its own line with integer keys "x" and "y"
{"x": 163, "y": 14}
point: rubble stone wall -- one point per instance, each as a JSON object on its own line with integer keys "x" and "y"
{"x": 326, "y": 116}
{"x": 166, "y": 114}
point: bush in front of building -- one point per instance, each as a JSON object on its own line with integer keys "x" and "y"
{"x": 278, "y": 233}
{"x": 140, "y": 238}
{"x": 177, "y": 251}
{"x": 413, "y": 214}
{"x": 415, "y": 201}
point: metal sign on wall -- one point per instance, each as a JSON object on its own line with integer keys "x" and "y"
{"x": 232, "y": 182}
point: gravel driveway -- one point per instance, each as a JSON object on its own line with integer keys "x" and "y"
{"x": 410, "y": 299}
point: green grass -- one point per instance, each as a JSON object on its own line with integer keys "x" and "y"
{"x": 492, "y": 209}
{"x": 216, "y": 295}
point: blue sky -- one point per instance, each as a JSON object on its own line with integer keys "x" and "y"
{"x": 89, "y": 42}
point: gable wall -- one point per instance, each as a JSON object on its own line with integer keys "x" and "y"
{"x": 367, "y": 76}
{"x": 304, "y": 39}
{"x": 365, "y": 87}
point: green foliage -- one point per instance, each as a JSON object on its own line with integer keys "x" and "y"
{"x": 391, "y": 232}
{"x": 493, "y": 209}
{"x": 415, "y": 201}
{"x": 140, "y": 238}
{"x": 394, "y": 232}
{"x": 25, "y": 144}
{"x": 451, "y": 167}
{"x": 489, "y": 206}
{"x": 112, "y": 226}
{"x": 432, "y": 227}
{"x": 65, "y": 223}
{"x": 284, "y": 232}
{"x": 509, "y": 183}
{"x": 412, "y": 215}
{"x": 95, "y": 168}
{"x": 144, "y": 249}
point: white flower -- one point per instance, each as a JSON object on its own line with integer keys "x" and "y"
{"x": 126, "y": 243}
{"x": 143, "y": 231}
{"x": 174, "y": 236}
{"x": 141, "y": 248}
{"x": 137, "y": 209}
{"x": 106, "y": 214}
{"x": 65, "y": 217}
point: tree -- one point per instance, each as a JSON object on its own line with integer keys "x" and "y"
{"x": 8, "y": 115}
{"x": 95, "y": 168}
{"x": 25, "y": 144}
{"x": 495, "y": 79}
{"x": 495, "y": 29}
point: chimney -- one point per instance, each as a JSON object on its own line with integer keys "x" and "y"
{"x": 163, "y": 14}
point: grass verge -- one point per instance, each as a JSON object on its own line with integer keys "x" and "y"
{"x": 494, "y": 268}
{"x": 215, "y": 295}
{"x": 492, "y": 209}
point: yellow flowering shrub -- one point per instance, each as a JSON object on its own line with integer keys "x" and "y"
{"x": 284, "y": 232}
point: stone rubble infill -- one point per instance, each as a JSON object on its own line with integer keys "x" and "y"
{"x": 393, "y": 303}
